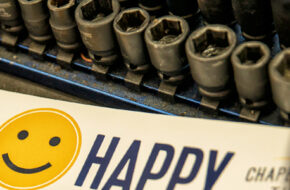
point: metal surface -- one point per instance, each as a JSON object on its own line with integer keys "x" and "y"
{"x": 255, "y": 18}
{"x": 113, "y": 93}
{"x": 81, "y": 82}
{"x": 128, "y": 3}
{"x": 16, "y": 84}
{"x": 8, "y": 39}
{"x": 217, "y": 11}
{"x": 250, "y": 63}
{"x": 95, "y": 23}
{"x": 154, "y": 7}
{"x": 36, "y": 21}
{"x": 63, "y": 24}
{"x": 208, "y": 50}
{"x": 84, "y": 85}
{"x": 129, "y": 27}
{"x": 280, "y": 82}
{"x": 9, "y": 16}
{"x": 281, "y": 14}
{"x": 165, "y": 38}
{"x": 184, "y": 8}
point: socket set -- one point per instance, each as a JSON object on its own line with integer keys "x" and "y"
{"x": 226, "y": 56}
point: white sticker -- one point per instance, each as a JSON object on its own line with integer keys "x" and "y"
{"x": 52, "y": 144}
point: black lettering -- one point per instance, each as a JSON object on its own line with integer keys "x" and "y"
{"x": 250, "y": 174}
{"x": 260, "y": 174}
{"x": 270, "y": 175}
{"x": 281, "y": 171}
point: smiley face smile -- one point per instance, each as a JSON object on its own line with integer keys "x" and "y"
{"x": 15, "y": 168}
{"x": 37, "y": 148}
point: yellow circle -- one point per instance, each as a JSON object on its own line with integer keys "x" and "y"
{"x": 37, "y": 148}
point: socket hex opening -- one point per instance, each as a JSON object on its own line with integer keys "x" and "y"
{"x": 211, "y": 43}
{"x": 284, "y": 67}
{"x": 96, "y": 9}
{"x": 131, "y": 21}
{"x": 251, "y": 55}
{"x": 166, "y": 31}
{"x": 59, "y": 3}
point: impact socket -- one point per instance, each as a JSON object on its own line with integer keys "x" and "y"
{"x": 154, "y": 7}
{"x": 9, "y": 16}
{"x": 281, "y": 14}
{"x": 95, "y": 23}
{"x": 129, "y": 27}
{"x": 35, "y": 16}
{"x": 279, "y": 70}
{"x": 63, "y": 24}
{"x": 250, "y": 63}
{"x": 184, "y": 8}
{"x": 208, "y": 51}
{"x": 217, "y": 11}
{"x": 165, "y": 38}
{"x": 255, "y": 18}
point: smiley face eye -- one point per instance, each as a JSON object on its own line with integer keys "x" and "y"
{"x": 22, "y": 135}
{"x": 54, "y": 141}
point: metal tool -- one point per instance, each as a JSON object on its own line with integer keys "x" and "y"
{"x": 217, "y": 11}
{"x": 208, "y": 51}
{"x": 250, "y": 63}
{"x": 35, "y": 16}
{"x": 10, "y": 17}
{"x": 279, "y": 70}
{"x": 63, "y": 24}
{"x": 165, "y": 38}
{"x": 255, "y": 18}
{"x": 281, "y": 14}
{"x": 95, "y": 23}
{"x": 129, "y": 27}
{"x": 184, "y": 8}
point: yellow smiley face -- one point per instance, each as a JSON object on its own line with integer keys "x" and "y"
{"x": 37, "y": 148}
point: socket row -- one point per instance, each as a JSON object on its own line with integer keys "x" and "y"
{"x": 144, "y": 40}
